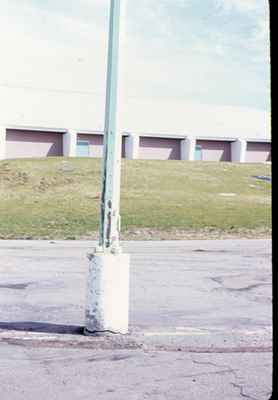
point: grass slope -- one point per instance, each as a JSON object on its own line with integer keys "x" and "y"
{"x": 58, "y": 198}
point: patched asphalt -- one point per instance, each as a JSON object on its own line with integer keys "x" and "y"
{"x": 200, "y": 316}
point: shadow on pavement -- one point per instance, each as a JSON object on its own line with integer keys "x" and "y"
{"x": 43, "y": 327}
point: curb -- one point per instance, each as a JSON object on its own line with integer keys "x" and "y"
{"x": 114, "y": 342}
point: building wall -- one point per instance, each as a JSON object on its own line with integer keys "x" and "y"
{"x": 96, "y": 144}
{"x": 215, "y": 150}
{"x": 159, "y": 148}
{"x": 258, "y": 152}
{"x": 42, "y": 143}
{"x": 20, "y": 144}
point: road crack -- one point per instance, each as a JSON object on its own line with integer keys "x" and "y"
{"x": 242, "y": 394}
{"x": 230, "y": 370}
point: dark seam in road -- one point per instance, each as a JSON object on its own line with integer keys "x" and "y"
{"x": 128, "y": 345}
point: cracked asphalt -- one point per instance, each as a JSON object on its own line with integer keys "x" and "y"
{"x": 200, "y": 323}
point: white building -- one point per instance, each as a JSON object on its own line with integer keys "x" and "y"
{"x": 73, "y": 126}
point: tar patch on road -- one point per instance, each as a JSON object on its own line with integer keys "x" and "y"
{"x": 16, "y": 286}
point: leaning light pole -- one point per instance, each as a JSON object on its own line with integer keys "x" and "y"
{"x": 107, "y": 301}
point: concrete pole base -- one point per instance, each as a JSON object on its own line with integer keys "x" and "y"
{"x": 107, "y": 304}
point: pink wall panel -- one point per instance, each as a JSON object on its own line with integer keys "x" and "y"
{"x": 96, "y": 144}
{"x": 20, "y": 144}
{"x": 152, "y": 148}
{"x": 215, "y": 150}
{"x": 258, "y": 152}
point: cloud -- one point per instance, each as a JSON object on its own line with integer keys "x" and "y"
{"x": 198, "y": 52}
{"x": 255, "y": 14}
{"x": 242, "y": 6}
{"x": 49, "y": 48}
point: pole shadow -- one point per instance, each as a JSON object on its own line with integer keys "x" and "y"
{"x": 42, "y": 327}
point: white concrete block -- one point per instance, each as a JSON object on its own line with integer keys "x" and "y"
{"x": 2, "y": 143}
{"x": 107, "y": 304}
{"x": 238, "y": 151}
{"x": 69, "y": 143}
{"x": 132, "y": 147}
{"x": 188, "y": 149}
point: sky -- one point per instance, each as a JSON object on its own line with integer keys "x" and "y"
{"x": 199, "y": 52}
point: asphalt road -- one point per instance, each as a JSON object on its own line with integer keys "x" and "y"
{"x": 200, "y": 313}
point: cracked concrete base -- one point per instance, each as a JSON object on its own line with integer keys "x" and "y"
{"x": 107, "y": 302}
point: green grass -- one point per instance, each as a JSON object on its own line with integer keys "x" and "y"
{"x": 58, "y": 198}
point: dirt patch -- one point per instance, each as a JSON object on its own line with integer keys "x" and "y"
{"x": 206, "y": 234}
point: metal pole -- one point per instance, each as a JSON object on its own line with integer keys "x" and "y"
{"x": 107, "y": 303}
{"x": 111, "y": 165}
